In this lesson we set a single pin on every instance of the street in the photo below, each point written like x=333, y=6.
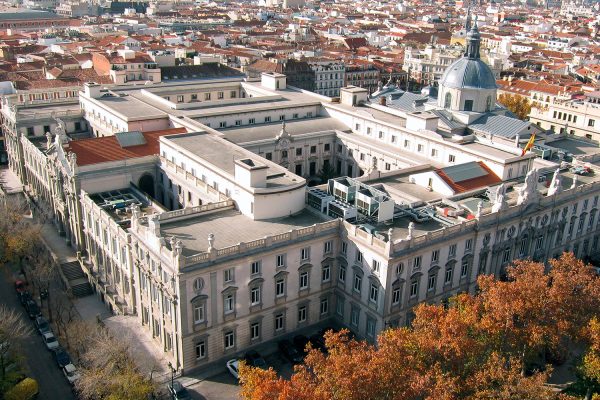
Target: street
x=38, y=360
x=225, y=387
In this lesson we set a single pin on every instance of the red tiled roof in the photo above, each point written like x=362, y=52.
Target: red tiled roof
x=470, y=184
x=107, y=148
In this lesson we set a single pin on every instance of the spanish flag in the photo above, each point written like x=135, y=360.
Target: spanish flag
x=529, y=145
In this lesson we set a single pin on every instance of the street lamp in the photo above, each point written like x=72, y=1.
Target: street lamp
x=172, y=377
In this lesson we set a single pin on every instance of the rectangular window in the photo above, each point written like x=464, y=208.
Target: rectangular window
x=327, y=247
x=357, y=283
x=339, y=306
x=298, y=151
x=222, y=124
x=452, y=250
x=448, y=275
x=305, y=254
x=342, y=273
x=324, y=309
x=267, y=119
x=344, y=248
x=255, y=268
x=280, y=287
x=238, y=122
x=199, y=314
x=354, y=316
x=229, y=340
x=228, y=275
x=396, y=296
x=251, y=121
x=303, y=280
x=359, y=256
x=417, y=262
x=370, y=327
x=255, y=295
x=229, y=303
x=326, y=273
x=279, y=322
x=451, y=158
x=313, y=149
x=420, y=148
x=431, y=282
x=302, y=314
x=435, y=256
x=376, y=266
x=506, y=255
x=539, y=243
x=220, y=95
x=254, y=331
x=414, y=289
x=269, y=156
x=280, y=261
x=206, y=96
x=464, y=269
x=469, y=245
x=282, y=117
x=200, y=350
x=374, y=292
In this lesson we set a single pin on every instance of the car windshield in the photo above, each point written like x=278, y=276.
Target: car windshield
x=71, y=373
x=259, y=362
x=43, y=325
x=51, y=339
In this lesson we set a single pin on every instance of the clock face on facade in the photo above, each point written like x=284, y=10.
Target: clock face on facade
x=284, y=143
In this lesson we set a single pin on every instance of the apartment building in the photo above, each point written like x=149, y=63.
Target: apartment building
x=577, y=116
x=428, y=65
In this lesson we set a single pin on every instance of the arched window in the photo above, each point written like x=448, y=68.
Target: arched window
x=447, y=100
x=488, y=104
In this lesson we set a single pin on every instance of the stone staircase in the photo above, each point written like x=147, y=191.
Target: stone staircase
x=78, y=282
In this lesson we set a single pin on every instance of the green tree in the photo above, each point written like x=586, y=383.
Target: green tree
x=519, y=105
x=326, y=173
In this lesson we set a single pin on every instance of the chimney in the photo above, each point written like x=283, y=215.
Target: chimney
x=383, y=100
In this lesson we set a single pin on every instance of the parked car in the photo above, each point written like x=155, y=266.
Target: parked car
x=70, y=372
x=24, y=297
x=178, y=391
x=289, y=351
x=255, y=360
x=32, y=309
x=581, y=170
x=50, y=340
x=61, y=357
x=300, y=341
x=233, y=367
x=318, y=342
x=20, y=286
x=27, y=389
x=42, y=325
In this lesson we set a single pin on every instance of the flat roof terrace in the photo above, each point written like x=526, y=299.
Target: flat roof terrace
x=230, y=227
x=222, y=154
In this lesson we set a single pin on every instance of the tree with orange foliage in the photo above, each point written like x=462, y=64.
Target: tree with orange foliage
x=475, y=349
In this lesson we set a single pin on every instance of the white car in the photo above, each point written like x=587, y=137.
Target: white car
x=50, y=340
x=71, y=373
x=233, y=367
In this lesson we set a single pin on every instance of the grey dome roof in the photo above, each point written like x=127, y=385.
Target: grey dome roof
x=468, y=73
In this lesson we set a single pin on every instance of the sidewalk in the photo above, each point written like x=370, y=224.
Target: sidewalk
x=147, y=354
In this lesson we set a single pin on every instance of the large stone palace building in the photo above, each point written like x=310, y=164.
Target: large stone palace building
x=224, y=213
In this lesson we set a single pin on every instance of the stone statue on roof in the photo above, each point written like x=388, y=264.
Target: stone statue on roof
x=528, y=191
x=555, y=184
x=500, y=203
